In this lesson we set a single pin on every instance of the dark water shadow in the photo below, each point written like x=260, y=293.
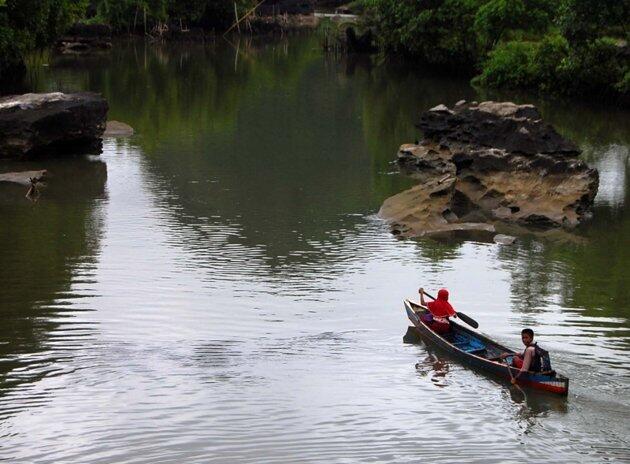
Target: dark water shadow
x=48, y=246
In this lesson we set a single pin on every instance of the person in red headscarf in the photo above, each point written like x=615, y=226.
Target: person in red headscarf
x=440, y=310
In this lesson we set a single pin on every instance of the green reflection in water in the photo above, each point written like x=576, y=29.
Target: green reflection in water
x=294, y=148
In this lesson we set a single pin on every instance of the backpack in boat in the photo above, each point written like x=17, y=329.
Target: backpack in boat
x=541, y=361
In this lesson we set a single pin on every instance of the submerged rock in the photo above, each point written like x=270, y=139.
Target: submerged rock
x=502, y=239
x=504, y=163
x=24, y=177
x=51, y=123
x=33, y=179
x=118, y=129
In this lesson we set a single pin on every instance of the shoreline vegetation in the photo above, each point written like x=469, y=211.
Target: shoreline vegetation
x=29, y=25
x=570, y=48
x=567, y=47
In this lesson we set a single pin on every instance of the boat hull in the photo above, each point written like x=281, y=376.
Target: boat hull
x=555, y=384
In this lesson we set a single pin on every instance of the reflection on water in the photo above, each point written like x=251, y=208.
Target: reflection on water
x=48, y=258
x=223, y=291
x=435, y=368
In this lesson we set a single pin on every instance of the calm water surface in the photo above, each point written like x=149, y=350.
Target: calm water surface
x=218, y=288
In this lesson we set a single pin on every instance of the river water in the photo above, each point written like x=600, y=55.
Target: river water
x=218, y=288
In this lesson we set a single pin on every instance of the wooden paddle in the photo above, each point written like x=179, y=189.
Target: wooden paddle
x=467, y=319
x=513, y=380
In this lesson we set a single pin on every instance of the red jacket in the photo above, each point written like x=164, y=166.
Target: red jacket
x=441, y=307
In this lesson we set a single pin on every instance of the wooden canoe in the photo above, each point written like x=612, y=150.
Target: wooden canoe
x=478, y=351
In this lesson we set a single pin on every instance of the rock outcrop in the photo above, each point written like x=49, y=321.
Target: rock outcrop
x=51, y=123
x=493, y=162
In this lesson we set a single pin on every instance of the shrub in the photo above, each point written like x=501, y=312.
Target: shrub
x=26, y=24
x=595, y=66
x=510, y=65
x=623, y=86
x=436, y=32
x=548, y=56
x=496, y=18
x=127, y=15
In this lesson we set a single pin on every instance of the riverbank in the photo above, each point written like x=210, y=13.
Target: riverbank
x=573, y=48
x=80, y=27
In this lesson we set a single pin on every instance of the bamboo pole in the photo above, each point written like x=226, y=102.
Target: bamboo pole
x=243, y=17
x=236, y=16
x=135, y=19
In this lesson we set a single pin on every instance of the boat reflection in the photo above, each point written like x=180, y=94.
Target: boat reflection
x=435, y=368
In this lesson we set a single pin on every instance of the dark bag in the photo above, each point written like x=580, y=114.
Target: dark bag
x=542, y=361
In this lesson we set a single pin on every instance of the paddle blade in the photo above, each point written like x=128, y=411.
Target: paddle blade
x=468, y=320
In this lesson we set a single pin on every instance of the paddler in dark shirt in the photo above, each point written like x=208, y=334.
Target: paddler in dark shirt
x=526, y=360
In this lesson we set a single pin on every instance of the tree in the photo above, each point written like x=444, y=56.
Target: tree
x=497, y=17
x=436, y=31
x=127, y=15
x=28, y=24
x=582, y=21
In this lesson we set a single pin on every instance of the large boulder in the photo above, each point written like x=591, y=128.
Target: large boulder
x=505, y=163
x=504, y=125
x=51, y=123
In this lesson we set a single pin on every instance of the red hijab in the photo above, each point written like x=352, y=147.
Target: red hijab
x=441, y=307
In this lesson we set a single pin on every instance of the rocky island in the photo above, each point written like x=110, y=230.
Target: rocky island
x=484, y=163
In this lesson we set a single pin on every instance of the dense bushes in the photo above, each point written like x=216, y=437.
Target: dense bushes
x=552, y=65
x=437, y=32
x=562, y=46
x=527, y=64
x=495, y=19
x=29, y=24
x=510, y=64
x=130, y=15
x=26, y=24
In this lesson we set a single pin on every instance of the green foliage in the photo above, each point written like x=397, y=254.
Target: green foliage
x=27, y=24
x=582, y=21
x=357, y=6
x=552, y=65
x=519, y=64
x=129, y=15
x=593, y=67
x=497, y=17
x=438, y=32
x=548, y=45
x=510, y=64
x=549, y=54
x=623, y=86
